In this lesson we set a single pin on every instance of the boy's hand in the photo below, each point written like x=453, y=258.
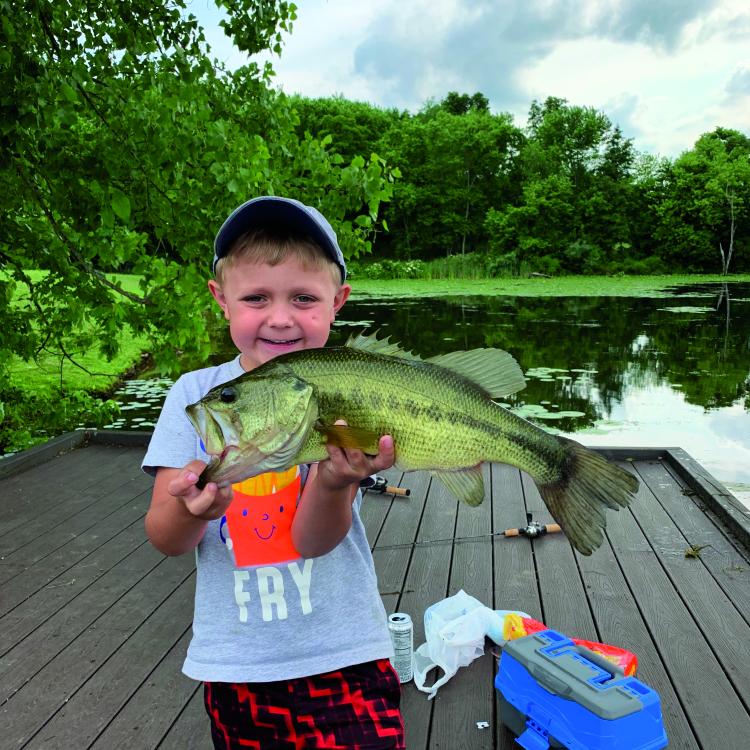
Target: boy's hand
x=347, y=466
x=207, y=504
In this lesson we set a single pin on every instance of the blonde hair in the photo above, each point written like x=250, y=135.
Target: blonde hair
x=274, y=247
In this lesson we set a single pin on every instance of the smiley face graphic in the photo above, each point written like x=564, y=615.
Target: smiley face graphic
x=257, y=524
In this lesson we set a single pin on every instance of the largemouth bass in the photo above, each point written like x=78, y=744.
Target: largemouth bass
x=440, y=412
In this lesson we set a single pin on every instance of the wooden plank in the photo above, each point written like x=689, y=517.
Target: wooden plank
x=691, y=665
x=727, y=632
x=32, y=613
x=90, y=709
x=26, y=677
x=727, y=507
x=51, y=504
x=720, y=553
x=469, y=696
x=376, y=506
x=516, y=585
x=620, y=623
x=515, y=582
x=564, y=604
x=30, y=493
x=39, y=540
x=150, y=711
x=40, y=454
x=191, y=730
x=426, y=583
x=122, y=438
x=395, y=543
x=35, y=574
x=639, y=592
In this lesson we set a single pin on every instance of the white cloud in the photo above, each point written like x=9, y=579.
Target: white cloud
x=675, y=96
x=665, y=71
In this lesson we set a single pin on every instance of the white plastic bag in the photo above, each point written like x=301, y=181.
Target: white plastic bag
x=454, y=631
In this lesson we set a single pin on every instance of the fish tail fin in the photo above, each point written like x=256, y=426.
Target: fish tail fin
x=589, y=484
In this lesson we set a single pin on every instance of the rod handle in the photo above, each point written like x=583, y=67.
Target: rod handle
x=403, y=491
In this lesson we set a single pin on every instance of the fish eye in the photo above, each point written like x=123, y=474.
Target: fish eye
x=228, y=395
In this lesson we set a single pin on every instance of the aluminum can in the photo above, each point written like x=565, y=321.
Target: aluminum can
x=402, y=637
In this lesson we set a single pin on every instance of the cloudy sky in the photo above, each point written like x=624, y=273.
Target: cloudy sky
x=665, y=71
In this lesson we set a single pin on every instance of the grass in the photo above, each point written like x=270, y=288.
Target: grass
x=49, y=373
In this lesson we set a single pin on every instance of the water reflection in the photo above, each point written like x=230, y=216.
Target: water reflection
x=615, y=370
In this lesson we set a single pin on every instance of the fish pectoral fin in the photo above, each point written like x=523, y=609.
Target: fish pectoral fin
x=494, y=370
x=346, y=436
x=467, y=485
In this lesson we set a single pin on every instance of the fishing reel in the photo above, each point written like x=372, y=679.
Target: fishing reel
x=533, y=529
x=380, y=484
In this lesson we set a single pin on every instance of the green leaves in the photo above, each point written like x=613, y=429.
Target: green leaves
x=122, y=149
x=120, y=205
x=705, y=206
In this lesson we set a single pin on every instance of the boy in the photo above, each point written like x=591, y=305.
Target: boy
x=289, y=633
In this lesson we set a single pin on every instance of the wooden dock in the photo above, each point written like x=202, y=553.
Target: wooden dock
x=94, y=622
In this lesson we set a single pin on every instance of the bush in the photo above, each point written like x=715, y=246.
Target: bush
x=22, y=413
x=653, y=265
x=582, y=257
x=387, y=269
x=471, y=266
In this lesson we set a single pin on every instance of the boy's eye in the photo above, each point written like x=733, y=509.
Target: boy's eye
x=305, y=298
x=253, y=298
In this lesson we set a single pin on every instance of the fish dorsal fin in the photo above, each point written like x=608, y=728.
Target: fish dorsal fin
x=467, y=485
x=372, y=344
x=494, y=370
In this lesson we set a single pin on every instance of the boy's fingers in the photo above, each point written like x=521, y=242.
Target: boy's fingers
x=211, y=502
x=186, y=478
x=386, y=454
x=199, y=505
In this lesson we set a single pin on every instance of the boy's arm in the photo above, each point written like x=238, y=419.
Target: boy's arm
x=324, y=515
x=179, y=512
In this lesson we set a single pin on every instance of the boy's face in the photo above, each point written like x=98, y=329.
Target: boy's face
x=277, y=309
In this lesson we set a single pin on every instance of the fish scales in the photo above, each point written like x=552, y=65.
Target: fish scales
x=440, y=413
x=419, y=412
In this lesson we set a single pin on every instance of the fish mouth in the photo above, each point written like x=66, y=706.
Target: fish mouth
x=218, y=436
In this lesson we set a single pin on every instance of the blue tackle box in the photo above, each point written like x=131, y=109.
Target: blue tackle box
x=554, y=693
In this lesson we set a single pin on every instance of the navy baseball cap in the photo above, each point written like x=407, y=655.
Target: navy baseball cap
x=269, y=210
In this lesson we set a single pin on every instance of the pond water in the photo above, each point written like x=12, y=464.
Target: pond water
x=616, y=371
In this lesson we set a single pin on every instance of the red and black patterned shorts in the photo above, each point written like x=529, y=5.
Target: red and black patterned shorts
x=355, y=708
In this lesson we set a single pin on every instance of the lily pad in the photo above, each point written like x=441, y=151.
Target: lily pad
x=687, y=309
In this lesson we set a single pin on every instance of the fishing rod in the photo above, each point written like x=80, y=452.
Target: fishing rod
x=380, y=484
x=532, y=530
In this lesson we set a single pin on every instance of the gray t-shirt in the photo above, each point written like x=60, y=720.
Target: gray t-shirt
x=259, y=616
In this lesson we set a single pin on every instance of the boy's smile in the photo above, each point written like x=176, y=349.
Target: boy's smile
x=277, y=309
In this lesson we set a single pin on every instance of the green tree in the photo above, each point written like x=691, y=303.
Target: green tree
x=461, y=104
x=123, y=147
x=354, y=128
x=705, y=215
x=453, y=168
x=574, y=210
